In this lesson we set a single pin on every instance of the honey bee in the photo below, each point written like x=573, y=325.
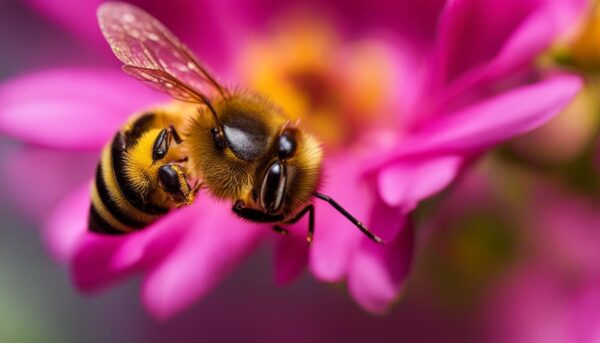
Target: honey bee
x=240, y=145
x=139, y=178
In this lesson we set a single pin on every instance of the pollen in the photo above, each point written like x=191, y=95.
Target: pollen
x=584, y=50
x=334, y=86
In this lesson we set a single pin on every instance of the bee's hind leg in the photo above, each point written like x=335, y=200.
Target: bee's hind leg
x=310, y=209
x=280, y=230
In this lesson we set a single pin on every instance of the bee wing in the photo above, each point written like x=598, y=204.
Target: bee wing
x=164, y=82
x=153, y=54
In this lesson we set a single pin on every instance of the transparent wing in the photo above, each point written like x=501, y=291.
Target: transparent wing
x=152, y=53
x=166, y=83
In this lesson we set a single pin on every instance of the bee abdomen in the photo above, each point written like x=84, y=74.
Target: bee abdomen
x=107, y=215
x=98, y=224
x=116, y=206
x=127, y=190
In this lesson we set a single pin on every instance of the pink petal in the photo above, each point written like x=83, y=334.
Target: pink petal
x=184, y=262
x=197, y=23
x=73, y=109
x=584, y=324
x=214, y=244
x=410, y=181
x=91, y=270
x=528, y=305
x=68, y=223
x=378, y=272
x=568, y=225
x=335, y=237
x=388, y=221
x=185, y=254
x=486, y=123
x=529, y=39
x=291, y=253
x=473, y=33
x=22, y=179
x=78, y=17
x=545, y=25
x=413, y=22
x=98, y=261
x=500, y=118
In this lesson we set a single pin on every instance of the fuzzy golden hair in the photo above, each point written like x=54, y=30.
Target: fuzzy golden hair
x=226, y=175
x=230, y=177
x=138, y=168
x=304, y=172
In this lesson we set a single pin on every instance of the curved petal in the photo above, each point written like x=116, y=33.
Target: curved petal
x=98, y=261
x=412, y=22
x=568, y=227
x=195, y=22
x=214, y=244
x=584, y=321
x=544, y=25
x=184, y=254
x=473, y=34
x=78, y=17
x=486, y=123
x=68, y=223
x=335, y=237
x=35, y=193
x=291, y=253
x=500, y=118
x=408, y=182
x=72, y=109
x=378, y=272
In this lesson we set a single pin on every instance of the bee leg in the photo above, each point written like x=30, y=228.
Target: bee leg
x=255, y=215
x=192, y=195
x=161, y=145
x=175, y=135
x=174, y=182
x=280, y=230
x=350, y=217
x=311, y=221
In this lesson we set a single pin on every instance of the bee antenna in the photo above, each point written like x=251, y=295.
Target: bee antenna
x=350, y=217
x=212, y=110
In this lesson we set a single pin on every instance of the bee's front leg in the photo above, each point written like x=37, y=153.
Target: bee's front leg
x=174, y=134
x=173, y=181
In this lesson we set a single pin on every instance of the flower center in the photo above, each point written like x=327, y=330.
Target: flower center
x=337, y=89
x=581, y=49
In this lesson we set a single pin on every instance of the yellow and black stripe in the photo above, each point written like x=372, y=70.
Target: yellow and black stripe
x=117, y=207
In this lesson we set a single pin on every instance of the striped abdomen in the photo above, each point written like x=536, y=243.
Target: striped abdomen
x=117, y=207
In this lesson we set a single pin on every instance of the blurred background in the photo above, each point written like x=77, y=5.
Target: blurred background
x=510, y=254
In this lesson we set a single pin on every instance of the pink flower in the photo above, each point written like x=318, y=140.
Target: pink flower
x=552, y=294
x=521, y=254
x=458, y=79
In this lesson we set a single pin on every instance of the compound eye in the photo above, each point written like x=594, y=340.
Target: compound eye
x=286, y=144
x=272, y=188
x=161, y=145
